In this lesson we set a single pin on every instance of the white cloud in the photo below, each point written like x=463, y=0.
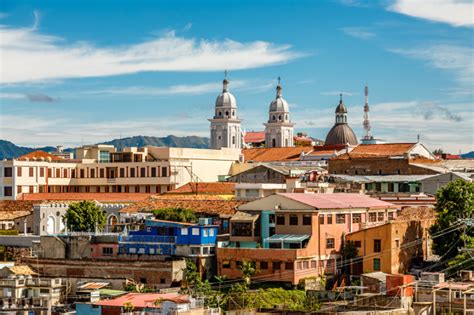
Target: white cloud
x=28, y=55
x=459, y=60
x=453, y=12
x=11, y=96
x=358, y=32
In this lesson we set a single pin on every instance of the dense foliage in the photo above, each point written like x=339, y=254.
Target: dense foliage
x=451, y=231
x=175, y=214
x=84, y=216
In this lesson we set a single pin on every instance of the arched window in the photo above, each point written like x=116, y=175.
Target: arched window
x=227, y=114
x=286, y=117
x=273, y=118
x=273, y=143
x=233, y=113
x=51, y=225
x=279, y=117
x=220, y=113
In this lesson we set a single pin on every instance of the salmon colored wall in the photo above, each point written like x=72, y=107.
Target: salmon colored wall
x=96, y=250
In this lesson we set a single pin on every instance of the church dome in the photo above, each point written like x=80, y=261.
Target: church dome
x=341, y=108
x=341, y=134
x=226, y=99
x=279, y=104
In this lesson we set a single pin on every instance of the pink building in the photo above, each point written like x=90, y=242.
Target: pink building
x=292, y=236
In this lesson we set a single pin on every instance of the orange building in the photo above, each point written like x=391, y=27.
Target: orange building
x=392, y=247
x=292, y=236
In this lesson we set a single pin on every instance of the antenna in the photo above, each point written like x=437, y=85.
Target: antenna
x=366, y=122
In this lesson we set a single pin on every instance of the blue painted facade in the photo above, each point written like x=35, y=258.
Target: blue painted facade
x=163, y=237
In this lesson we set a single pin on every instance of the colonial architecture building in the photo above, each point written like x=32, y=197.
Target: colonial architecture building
x=225, y=125
x=341, y=133
x=279, y=128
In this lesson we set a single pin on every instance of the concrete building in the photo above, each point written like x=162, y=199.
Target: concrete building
x=392, y=248
x=225, y=125
x=279, y=128
x=431, y=184
x=100, y=168
x=292, y=236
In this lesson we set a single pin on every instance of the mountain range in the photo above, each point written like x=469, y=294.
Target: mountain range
x=9, y=150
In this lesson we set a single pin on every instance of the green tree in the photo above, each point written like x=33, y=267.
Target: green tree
x=84, y=216
x=175, y=214
x=128, y=307
x=348, y=252
x=454, y=204
x=248, y=270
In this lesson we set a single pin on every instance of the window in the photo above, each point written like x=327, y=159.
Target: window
x=293, y=219
x=372, y=217
x=340, y=218
x=132, y=250
x=263, y=265
x=31, y=189
x=122, y=172
x=64, y=173
x=18, y=189
x=7, y=191
x=289, y=266
x=164, y=172
x=132, y=172
x=280, y=219
x=82, y=173
x=329, y=218
x=356, y=218
x=143, y=280
x=226, y=264
x=153, y=172
x=358, y=244
x=390, y=216
x=58, y=173
x=377, y=246
x=104, y=157
x=306, y=219
x=241, y=229
x=211, y=232
x=8, y=172
x=184, y=231
x=380, y=216
x=321, y=219
x=276, y=265
x=18, y=172
x=92, y=173
x=397, y=243
x=73, y=173
x=376, y=264
x=205, y=232
x=107, y=251
x=142, y=172
x=41, y=171
x=330, y=243
x=31, y=172
x=195, y=231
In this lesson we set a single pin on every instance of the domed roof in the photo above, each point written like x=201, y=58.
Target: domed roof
x=341, y=134
x=279, y=104
x=226, y=99
x=341, y=108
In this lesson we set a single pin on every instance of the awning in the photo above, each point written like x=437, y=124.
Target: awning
x=286, y=238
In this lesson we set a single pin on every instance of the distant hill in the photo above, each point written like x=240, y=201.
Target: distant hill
x=9, y=150
x=169, y=141
x=469, y=155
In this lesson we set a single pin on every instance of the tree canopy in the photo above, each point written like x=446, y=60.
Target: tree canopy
x=84, y=216
x=454, y=206
x=175, y=214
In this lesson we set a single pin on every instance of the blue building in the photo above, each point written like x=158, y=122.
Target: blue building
x=171, y=238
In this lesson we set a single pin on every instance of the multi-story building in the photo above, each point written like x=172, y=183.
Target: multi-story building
x=100, y=168
x=292, y=236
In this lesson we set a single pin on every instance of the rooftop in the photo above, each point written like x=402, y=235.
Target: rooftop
x=13, y=209
x=101, y=197
x=38, y=154
x=213, y=188
x=22, y=270
x=254, y=137
x=274, y=154
x=142, y=300
x=337, y=200
x=378, y=150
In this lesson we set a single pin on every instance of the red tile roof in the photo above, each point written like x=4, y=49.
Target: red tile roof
x=142, y=300
x=13, y=209
x=254, y=137
x=338, y=200
x=274, y=154
x=205, y=204
x=327, y=149
x=38, y=154
x=101, y=197
x=216, y=188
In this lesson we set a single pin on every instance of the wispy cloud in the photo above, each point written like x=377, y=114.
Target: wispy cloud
x=28, y=55
x=453, y=12
x=11, y=96
x=457, y=59
x=359, y=32
x=32, y=97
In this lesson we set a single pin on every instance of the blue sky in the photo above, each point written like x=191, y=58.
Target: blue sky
x=77, y=72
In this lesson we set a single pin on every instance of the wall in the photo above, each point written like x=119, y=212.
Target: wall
x=373, y=166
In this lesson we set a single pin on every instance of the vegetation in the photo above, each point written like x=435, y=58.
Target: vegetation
x=84, y=216
x=348, y=252
x=240, y=296
x=175, y=214
x=128, y=307
x=454, y=205
x=8, y=232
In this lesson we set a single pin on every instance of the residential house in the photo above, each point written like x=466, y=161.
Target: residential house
x=291, y=236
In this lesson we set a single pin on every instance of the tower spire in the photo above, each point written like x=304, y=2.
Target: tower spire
x=366, y=123
x=225, y=83
x=279, y=88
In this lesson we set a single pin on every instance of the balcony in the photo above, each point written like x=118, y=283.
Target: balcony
x=147, y=239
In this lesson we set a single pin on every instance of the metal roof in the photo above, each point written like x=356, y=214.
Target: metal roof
x=288, y=238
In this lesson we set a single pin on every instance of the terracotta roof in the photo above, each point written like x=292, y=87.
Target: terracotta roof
x=274, y=154
x=216, y=188
x=337, y=200
x=378, y=150
x=13, y=209
x=38, y=155
x=101, y=197
x=254, y=137
x=205, y=204
x=142, y=300
x=302, y=139
x=327, y=149
x=22, y=270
